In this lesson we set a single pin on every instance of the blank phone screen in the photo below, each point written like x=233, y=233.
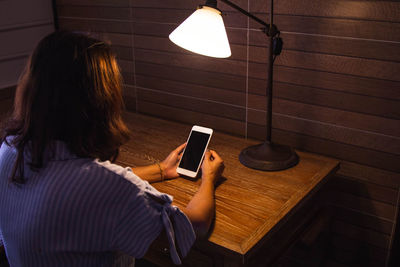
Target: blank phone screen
x=194, y=151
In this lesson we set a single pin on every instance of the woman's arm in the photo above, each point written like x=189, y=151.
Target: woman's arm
x=151, y=173
x=201, y=208
x=163, y=170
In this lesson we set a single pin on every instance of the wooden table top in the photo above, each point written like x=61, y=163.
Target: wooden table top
x=249, y=203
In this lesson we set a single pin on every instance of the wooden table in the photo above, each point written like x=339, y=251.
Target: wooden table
x=257, y=213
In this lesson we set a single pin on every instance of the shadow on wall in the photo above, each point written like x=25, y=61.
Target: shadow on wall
x=357, y=239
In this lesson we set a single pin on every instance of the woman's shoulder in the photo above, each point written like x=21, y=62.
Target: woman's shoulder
x=124, y=175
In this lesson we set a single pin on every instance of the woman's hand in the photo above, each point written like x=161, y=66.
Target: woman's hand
x=212, y=167
x=170, y=163
x=201, y=208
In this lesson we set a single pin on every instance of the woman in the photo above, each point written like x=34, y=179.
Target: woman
x=62, y=202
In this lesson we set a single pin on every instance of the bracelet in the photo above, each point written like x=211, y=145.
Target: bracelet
x=161, y=171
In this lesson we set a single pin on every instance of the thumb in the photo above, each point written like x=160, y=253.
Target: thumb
x=207, y=155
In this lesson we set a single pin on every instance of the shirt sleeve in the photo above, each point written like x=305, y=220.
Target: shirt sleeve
x=146, y=213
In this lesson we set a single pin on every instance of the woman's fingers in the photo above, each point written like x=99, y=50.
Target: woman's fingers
x=180, y=148
x=215, y=156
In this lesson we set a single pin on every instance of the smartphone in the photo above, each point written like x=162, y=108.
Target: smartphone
x=195, y=149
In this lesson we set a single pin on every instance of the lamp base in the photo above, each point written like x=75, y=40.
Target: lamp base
x=268, y=157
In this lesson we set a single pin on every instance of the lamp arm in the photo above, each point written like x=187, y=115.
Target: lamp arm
x=241, y=10
x=270, y=29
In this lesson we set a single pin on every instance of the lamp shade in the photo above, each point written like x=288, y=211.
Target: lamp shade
x=203, y=33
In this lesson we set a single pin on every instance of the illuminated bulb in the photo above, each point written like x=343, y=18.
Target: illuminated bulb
x=203, y=33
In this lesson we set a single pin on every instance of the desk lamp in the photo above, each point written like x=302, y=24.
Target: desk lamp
x=204, y=33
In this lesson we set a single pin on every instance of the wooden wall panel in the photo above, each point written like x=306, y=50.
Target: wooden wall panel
x=193, y=76
x=199, y=91
x=112, y=3
x=116, y=13
x=191, y=117
x=330, y=81
x=363, y=10
x=367, y=221
x=361, y=48
x=23, y=13
x=193, y=104
x=330, y=131
x=22, y=25
x=336, y=92
x=103, y=26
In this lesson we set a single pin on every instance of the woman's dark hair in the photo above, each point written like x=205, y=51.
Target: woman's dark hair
x=70, y=91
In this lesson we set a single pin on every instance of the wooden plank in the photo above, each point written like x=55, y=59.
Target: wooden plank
x=363, y=189
x=336, y=99
x=329, y=131
x=292, y=58
x=187, y=4
x=374, y=30
x=116, y=39
x=292, y=41
x=97, y=12
x=7, y=93
x=190, y=117
x=32, y=11
x=192, y=90
x=363, y=220
x=192, y=76
x=312, y=25
x=10, y=71
x=339, y=82
x=129, y=78
x=385, y=70
x=361, y=234
x=77, y=24
x=123, y=52
x=381, y=10
x=370, y=174
x=363, y=205
x=130, y=103
x=341, y=118
x=127, y=66
x=5, y=109
x=147, y=28
x=193, y=104
x=317, y=79
x=129, y=90
x=363, y=10
x=152, y=29
x=334, y=81
x=334, y=45
x=15, y=41
x=177, y=16
x=115, y=3
x=164, y=44
x=225, y=66
x=326, y=147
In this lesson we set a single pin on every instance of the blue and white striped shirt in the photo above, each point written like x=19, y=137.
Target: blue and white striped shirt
x=79, y=211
